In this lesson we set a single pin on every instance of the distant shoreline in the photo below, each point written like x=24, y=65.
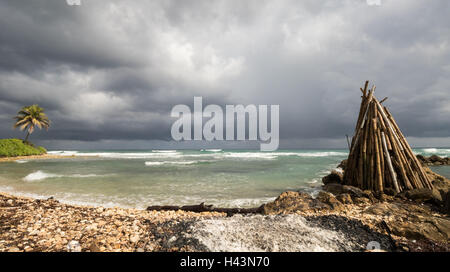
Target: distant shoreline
x=34, y=157
x=41, y=157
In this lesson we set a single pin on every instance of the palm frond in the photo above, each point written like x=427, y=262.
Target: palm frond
x=30, y=117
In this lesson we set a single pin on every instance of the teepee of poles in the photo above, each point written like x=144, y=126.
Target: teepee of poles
x=380, y=157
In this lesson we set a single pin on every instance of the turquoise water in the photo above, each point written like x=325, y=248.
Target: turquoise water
x=174, y=177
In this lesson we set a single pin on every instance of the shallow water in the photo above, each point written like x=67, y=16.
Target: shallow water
x=132, y=178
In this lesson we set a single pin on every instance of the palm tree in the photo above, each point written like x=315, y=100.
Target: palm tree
x=29, y=117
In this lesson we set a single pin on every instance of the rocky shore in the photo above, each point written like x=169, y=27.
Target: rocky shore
x=340, y=218
x=434, y=160
x=47, y=225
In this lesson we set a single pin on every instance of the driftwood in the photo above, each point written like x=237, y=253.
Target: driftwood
x=380, y=157
x=208, y=208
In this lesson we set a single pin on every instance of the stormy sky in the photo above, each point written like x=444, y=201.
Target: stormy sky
x=109, y=72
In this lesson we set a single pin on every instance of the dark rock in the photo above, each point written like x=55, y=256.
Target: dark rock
x=390, y=191
x=369, y=195
x=345, y=198
x=334, y=177
x=447, y=203
x=361, y=200
x=330, y=199
x=343, y=164
x=435, y=158
x=422, y=159
x=425, y=195
x=383, y=197
x=293, y=201
x=352, y=190
x=334, y=188
x=338, y=189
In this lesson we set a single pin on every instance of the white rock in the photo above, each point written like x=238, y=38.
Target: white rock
x=134, y=238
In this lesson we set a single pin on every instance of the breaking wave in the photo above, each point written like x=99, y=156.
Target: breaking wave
x=434, y=151
x=274, y=155
x=212, y=153
x=41, y=175
x=157, y=163
x=21, y=161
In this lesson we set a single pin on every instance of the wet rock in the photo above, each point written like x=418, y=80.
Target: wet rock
x=334, y=177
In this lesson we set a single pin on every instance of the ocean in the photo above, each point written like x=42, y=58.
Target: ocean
x=139, y=178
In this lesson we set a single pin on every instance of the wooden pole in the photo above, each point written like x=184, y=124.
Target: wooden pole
x=389, y=163
x=378, y=176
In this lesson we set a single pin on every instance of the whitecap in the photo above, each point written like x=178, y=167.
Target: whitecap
x=62, y=153
x=156, y=163
x=136, y=155
x=41, y=175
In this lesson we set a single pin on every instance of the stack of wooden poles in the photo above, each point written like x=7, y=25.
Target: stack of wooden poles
x=380, y=157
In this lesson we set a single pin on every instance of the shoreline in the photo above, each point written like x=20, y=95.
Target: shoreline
x=42, y=157
x=34, y=157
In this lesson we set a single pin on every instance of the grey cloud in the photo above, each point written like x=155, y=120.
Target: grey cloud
x=112, y=71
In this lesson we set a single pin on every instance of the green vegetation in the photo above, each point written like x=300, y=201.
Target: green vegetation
x=30, y=117
x=16, y=147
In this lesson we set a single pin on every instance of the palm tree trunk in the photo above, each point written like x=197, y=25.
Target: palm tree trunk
x=26, y=138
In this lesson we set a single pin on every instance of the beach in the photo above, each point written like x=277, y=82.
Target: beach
x=47, y=225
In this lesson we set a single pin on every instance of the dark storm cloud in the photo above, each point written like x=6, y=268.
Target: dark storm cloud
x=112, y=70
